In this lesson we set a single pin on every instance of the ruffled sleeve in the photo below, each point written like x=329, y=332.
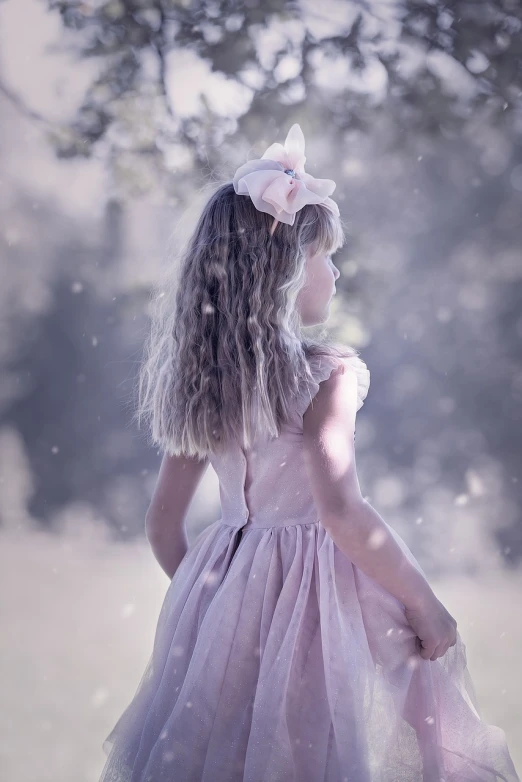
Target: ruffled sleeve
x=323, y=366
x=363, y=378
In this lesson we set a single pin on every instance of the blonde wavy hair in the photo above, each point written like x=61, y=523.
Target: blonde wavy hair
x=225, y=357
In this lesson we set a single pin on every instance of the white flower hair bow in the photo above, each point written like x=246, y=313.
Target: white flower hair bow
x=277, y=182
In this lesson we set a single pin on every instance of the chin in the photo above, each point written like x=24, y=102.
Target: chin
x=323, y=319
x=319, y=318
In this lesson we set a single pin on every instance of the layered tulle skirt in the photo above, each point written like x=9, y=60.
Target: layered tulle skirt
x=277, y=660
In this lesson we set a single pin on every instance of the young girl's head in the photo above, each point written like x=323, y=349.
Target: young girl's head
x=226, y=355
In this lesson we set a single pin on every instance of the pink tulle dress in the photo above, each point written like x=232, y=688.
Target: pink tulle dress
x=277, y=660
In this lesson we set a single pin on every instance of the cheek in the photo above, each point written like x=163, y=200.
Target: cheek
x=319, y=279
x=326, y=279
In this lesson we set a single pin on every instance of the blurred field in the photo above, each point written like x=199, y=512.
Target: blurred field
x=81, y=614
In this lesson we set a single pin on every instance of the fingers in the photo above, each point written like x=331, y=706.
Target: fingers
x=430, y=650
x=440, y=650
x=433, y=647
x=443, y=647
x=426, y=649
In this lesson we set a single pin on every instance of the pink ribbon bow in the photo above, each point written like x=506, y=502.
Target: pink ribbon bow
x=277, y=182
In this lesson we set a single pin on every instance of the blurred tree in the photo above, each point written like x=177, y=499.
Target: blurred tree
x=417, y=110
x=425, y=65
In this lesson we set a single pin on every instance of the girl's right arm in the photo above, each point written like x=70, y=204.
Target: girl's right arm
x=355, y=527
x=353, y=524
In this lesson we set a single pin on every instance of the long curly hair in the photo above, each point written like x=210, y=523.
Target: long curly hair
x=226, y=356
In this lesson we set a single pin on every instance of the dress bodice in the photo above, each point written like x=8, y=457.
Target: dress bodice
x=266, y=486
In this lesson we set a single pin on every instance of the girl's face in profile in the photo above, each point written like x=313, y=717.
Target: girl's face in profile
x=314, y=298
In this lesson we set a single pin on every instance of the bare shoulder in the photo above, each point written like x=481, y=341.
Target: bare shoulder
x=328, y=445
x=335, y=403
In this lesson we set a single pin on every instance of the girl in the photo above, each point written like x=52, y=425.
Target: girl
x=299, y=640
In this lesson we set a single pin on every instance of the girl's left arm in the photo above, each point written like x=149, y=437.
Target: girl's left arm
x=178, y=480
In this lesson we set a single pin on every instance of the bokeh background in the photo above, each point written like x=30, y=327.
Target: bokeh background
x=117, y=119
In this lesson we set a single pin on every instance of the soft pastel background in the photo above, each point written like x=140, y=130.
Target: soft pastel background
x=116, y=119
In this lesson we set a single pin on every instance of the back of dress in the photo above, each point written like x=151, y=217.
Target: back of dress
x=267, y=485
x=278, y=660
